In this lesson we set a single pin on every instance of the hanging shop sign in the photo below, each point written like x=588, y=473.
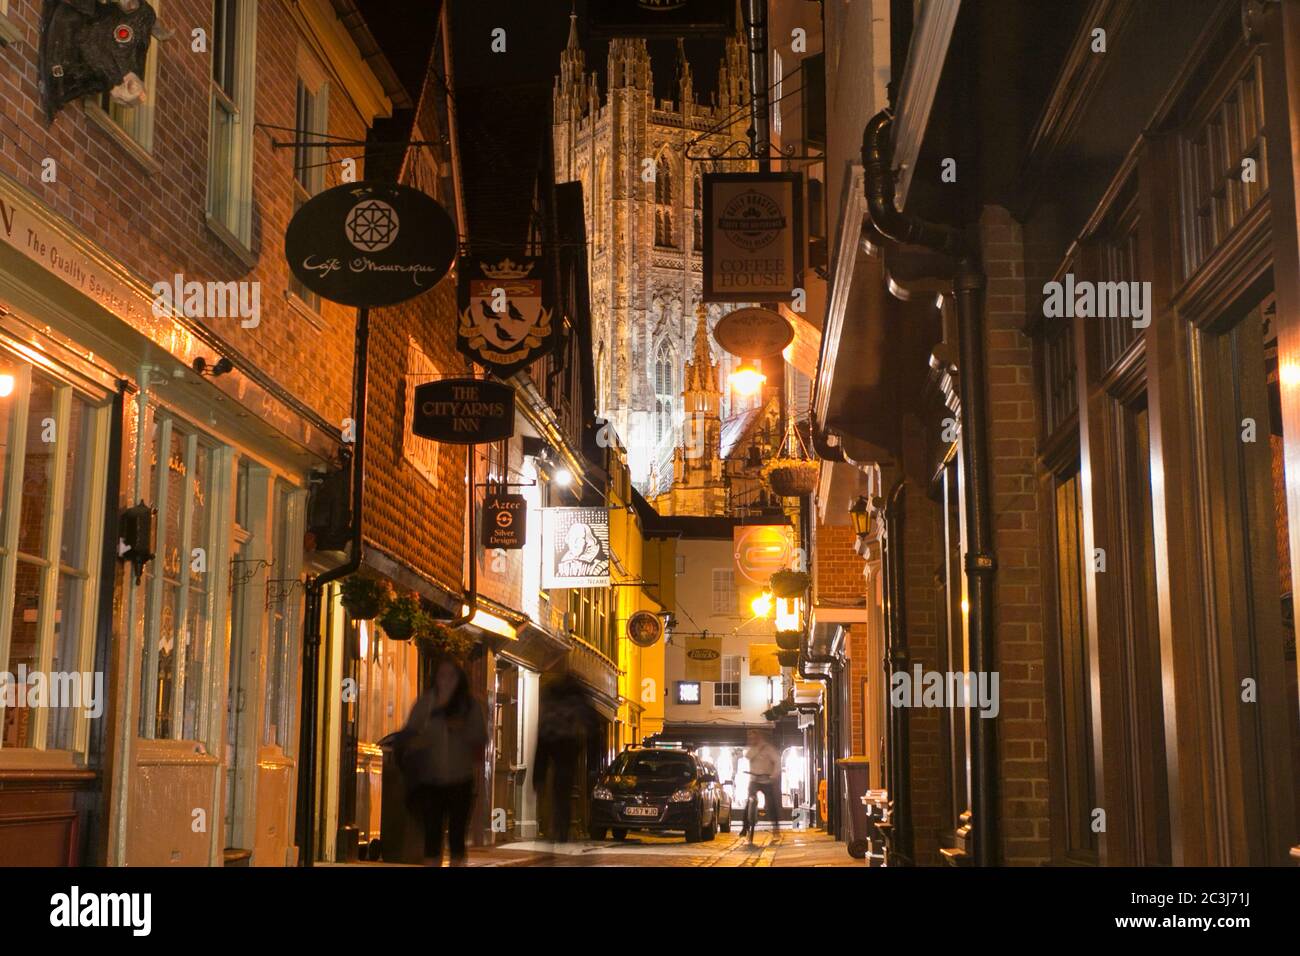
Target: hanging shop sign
x=644, y=18
x=505, y=521
x=644, y=629
x=464, y=411
x=753, y=333
x=753, y=240
x=763, y=660
x=506, y=311
x=760, y=550
x=575, y=548
x=703, y=657
x=370, y=244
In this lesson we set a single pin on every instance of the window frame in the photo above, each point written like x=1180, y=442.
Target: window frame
x=230, y=215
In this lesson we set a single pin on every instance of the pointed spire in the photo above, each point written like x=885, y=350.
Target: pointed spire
x=573, y=27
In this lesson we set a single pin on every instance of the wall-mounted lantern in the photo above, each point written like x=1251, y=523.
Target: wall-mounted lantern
x=135, y=533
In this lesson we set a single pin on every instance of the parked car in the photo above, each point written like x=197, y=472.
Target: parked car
x=657, y=788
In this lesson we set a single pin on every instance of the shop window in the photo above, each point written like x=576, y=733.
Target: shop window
x=1074, y=729
x=284, y=602
x=726, y=692
x=1221, y=144
x=1117, y=261
x=230, y=137
x=178, y=583
x=1060, y=398
x=310, y=125
x=52, y=449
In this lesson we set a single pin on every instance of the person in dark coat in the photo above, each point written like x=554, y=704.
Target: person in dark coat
x=566, y=721
x=442, y=748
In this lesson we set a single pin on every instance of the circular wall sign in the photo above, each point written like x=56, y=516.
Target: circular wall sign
x=370, y=244
x=753, y=333
x=644, y=629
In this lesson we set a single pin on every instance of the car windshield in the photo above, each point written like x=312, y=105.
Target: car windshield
x=644, y=764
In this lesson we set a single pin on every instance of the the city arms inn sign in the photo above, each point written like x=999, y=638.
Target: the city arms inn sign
x=464, y=411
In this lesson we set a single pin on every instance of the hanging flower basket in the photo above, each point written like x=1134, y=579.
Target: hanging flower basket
x=789, y=640
x=442, y=641
x=778, y=711
x=788, y=658
x=402, y=617
x=791, y=477
x=789, y=584
x=364, y=598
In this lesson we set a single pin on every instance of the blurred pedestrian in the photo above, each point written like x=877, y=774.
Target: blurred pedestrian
x=441, y=753
x=765, y=778
x=566, y=720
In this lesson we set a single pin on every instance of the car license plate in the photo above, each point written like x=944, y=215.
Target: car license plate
x=640, y=812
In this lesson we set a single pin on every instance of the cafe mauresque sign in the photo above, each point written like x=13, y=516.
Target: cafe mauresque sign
x=753, y=333
x=753, y=237
x=463, y=411
x=370, y=244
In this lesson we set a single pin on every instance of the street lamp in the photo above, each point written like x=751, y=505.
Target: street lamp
x=860, y=514
x=789, y=614
x=747, y=380
x=6, y=385
x=762, y=604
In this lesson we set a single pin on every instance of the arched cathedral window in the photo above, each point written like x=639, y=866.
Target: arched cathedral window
x=664, y=391
x=664, y=234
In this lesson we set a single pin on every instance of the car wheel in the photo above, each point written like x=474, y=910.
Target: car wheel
x=710, y=830
x=724, y=823
x=695, y=832
x=618, y=833
x=596, y=833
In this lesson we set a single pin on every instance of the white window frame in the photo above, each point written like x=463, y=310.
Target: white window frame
x=420, y=453
x=724, y=599
x=730, y=665
x=9, y=31
x=135, y=123
x=14, y=461
x=231, y=215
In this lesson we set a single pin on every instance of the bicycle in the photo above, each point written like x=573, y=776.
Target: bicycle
x=757, y=781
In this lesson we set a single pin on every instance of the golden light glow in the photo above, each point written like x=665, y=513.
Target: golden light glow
x=965, y=606
x=747, y=380
x=789, y=614
x=363, y=639
x=762, y=605
x=1290, y=374
x=487, y=621
x=6, y=386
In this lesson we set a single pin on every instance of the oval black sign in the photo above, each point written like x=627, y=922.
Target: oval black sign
x=370, y=244
x=464, y=411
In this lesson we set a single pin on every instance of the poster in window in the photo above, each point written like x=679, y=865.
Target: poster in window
x=575, y=548
x=753, y=236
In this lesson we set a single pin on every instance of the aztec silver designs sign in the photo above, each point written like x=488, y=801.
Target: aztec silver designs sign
x=753, y=242
x=575, y=548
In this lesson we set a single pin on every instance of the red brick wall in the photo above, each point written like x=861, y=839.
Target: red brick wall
x=922, y=557
x=1018, y=604
x=838, y=579
x=151, y=218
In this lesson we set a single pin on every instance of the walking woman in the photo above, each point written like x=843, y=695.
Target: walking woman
x=442, y=748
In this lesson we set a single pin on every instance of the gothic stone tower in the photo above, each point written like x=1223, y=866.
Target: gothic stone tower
x=644, y=222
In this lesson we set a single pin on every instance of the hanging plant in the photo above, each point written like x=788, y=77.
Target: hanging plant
x=441, y=640
x=789, y=640
x=778, y=711
x=789, y=584
x=364, y=597
x=788, y=658
x=402, y=617
x=792, y=473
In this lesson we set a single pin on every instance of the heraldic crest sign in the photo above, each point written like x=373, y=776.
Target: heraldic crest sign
x=506, y=311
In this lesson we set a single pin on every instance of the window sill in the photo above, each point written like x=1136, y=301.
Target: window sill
x=40, y=763
x=231, y=241
x=314, y=318
x=9, y=32
x=105, y=122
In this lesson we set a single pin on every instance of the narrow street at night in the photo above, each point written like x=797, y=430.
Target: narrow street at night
x=447, y=440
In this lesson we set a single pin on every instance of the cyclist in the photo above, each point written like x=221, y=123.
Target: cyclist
x=764, y=775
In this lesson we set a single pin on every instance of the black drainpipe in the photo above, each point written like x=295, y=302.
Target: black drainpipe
x=314, y=589
x=968, y=292
x=900, y=788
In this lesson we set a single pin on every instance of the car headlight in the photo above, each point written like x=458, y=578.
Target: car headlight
x=601, y=793
x=683, y=795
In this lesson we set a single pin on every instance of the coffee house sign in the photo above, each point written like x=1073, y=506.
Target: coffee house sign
x=753, y=242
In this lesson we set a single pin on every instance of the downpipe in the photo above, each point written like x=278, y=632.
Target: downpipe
x=968, y=292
